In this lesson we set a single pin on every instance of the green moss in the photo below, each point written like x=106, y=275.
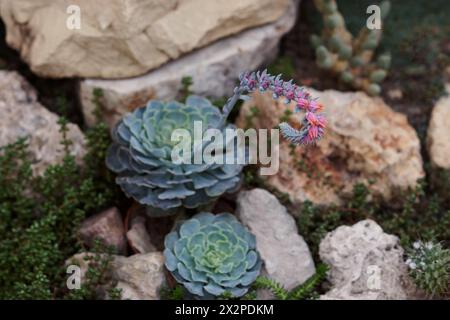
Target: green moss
x=186, y=83
x=177, y=293
x=97, y=96
x=286, y=115
x=419, y=212
x=307, y=290
x=40, y=216
x=424, y=54
x=97, y=275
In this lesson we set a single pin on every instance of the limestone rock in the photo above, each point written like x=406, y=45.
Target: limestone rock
x=439, y=133
x=123, y=38
x=285, y=254
x=108, y=227
x=365, y=264
x=140, y=276
x=365, y=141
x=214, y=70
x=22, y=116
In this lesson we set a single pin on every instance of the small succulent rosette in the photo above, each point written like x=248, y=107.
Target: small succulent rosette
x=212, y=255
x=141, y=155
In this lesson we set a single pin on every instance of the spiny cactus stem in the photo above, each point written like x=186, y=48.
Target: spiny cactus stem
x=338, y=51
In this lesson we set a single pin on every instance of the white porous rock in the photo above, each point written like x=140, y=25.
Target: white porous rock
x=365, y=264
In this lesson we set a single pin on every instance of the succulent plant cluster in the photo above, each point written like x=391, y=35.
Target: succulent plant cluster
x=350, y=58
x=212, y=255
x=141, y=155
x=429, y=265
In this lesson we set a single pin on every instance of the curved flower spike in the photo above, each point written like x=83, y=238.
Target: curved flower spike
x=314, y=122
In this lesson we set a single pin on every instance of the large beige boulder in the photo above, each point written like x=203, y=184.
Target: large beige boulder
x=214, y=70
x=439, y=133
x=22, y=116
x=123, y=38
x=365, y=142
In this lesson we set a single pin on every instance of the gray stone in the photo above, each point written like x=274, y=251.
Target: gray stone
x=108, y=227
x=365, y=264
x=140, y=277
x=22, y=116
x=285, y=254
x=138, y=236
x=214, y=70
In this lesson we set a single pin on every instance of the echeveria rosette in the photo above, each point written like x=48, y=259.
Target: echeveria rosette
x=141, y=156
x=211, y=255
x=314, y=122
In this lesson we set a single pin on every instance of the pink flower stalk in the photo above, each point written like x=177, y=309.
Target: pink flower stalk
x=289, y=92
x=277, y=87
x=314, y=122
x=302, y=103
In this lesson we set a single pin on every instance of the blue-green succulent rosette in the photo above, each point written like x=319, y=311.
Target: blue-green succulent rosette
x=211, y=255
x=141, y=155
